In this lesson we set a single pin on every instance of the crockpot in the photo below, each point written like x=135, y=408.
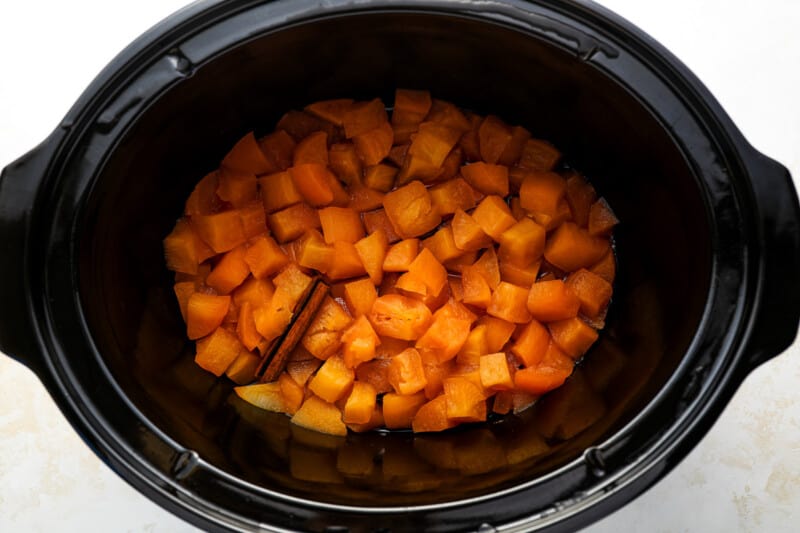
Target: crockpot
x=706, y=289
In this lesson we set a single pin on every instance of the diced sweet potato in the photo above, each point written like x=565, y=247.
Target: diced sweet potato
x=465, y=400
x=601, y=218
x=494, y=372
x=573, y=335
x=380, y=177
x=183, y=291
x=405, y=373
x=606, y=268
x=364, y=199
x=313, y=182
x=265, y=396
x=509, y=302
x=360, y=404
x=184, y=250
x=204, y=199
x=592, y=291
x=468, y=234
x=426, y=268
x=571, y=248
x=362, y=117
x=258, y=292
x=293, y=393
x=229, y=272
x=498, y=332
x=467, y=258
x=489, y=268
x=552, y=300
x=333, y=379
x=522, y=276
x=410, y=210
x=374, y=146
x=377, y=220
x=254, y=219
x=542, y=192
x=359, y=296
x=318, y=415
x=522, y=243
x=376, y=373
x=278, y=148
x=410, y=107
x=445, y=336
x=246, y=327
x=312, y=149
x=331, y=110
x=399, y=409
x=243, y=369
x=539, y=156
x=345, y=163
x=340, y=224
x=246, y=156
x=400, y=317
x=359, y=341
x=476, y=290
x=453, y=195
x=580, y=196
x=433, y=142
x=221, y=231
x=442, y=245
x=432, y=416
x=300, y=125
x=346, y=262
x=372, y=251
x=302, y=370
x=278, y=191
x=493, y=216
x=293, y=221
x=400, y=256
x=487, y=178
x=204, y=314
x=531, y=344
x=494, y=135
x=237, y=187
x=323, y=336
x=216, y=352
x=313, y=253
x=513, y=151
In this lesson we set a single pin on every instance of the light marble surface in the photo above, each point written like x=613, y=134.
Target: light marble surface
x=743, y=476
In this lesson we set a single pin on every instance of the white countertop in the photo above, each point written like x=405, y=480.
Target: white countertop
x=743, y=476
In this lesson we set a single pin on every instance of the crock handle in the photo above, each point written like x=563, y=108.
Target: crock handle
x=19, y=183
x=776, y=317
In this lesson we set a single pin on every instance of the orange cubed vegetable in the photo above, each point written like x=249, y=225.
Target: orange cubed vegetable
x=468, y=234
x=264, y=257
x=372, y=253
x=474, y=347
x=447, y=114
x=476, y=290
x=606, y=268
x=313, y=182
x=592, y=291
x=314, y=253
x=400, y=317
x=399, y=409
x=522, y=276
x=410, y=210
x=509, y=302
x=364, y=199
x=293, y=393
x=522, y=243
x=493, y=216
x=246, y=327
x=292, y=222
x=183, y=291
x=359, y=342
x=340, y=224
x=445, y=336
x=498, y=332
x=221, y=231
x=346, y=262
x=254, y=219
x=410, y=107
x=467, y=258
x=184, y=250
x=243, y=369
x=331, y=110
x=229, y=272
x=204, y=314
x=278, y=148
x=312, y=149
x=453, y=195
x=362, y=117
x=333, y=379
x=494, y=372
x=318, y=415
x=469, y=142
x=433, y=142
x=552, y=300
x=571, y=248
x=542, y=192
x=301, y=370
x=432, y=416
x=236, y=187
x=406, y=373
x=293, y=282
x=258, y=292
x=573, y=335
x=539, y=156
x=278, y=191
x=377, y=220
x=400, y=256
x=267, y=396
x=429, y=270
x=216, y=352
x=300, y=125
x=204, y=199
x=489, y=267
x=380, y=177
x=465, y=400
x=376, y=373
x=359, y=296
x=246, y=156
x=494, y=135
x=580, y=197
x=360, y=404
x=442, y=245
x=487, y=178
x=601, y=218
x=531, y=345
x=540, y=379
x=323, y=336
x=514, y=148
x=374, y=146
x=345, y=163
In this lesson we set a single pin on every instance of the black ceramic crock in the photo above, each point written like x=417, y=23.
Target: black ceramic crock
x=707, y=289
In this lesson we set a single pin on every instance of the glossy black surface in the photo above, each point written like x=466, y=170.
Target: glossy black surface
x=707, y=251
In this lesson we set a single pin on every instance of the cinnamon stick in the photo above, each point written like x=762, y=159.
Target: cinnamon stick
x=279, y=351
